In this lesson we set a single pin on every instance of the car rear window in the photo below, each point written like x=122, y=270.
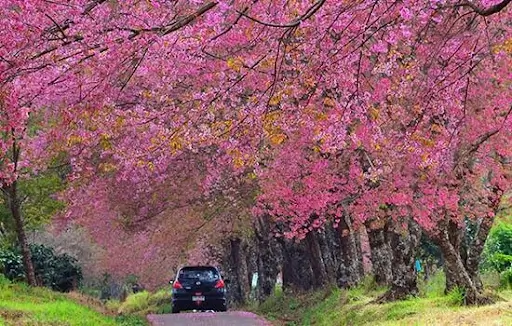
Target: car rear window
x=199, y=273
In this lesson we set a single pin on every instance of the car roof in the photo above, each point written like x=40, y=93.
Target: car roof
x=198, y=267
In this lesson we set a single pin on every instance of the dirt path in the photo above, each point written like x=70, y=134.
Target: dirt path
x=235, y=318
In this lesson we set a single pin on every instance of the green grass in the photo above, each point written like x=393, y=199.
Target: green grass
x=285, y=308
x=144, y=303
x=23, y=305
x=355, y=307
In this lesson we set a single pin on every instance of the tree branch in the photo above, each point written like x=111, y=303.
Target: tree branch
x=181, y=22
x=472, y=148
x=485, y=12
x=310, y=12
x=91, y=6
x=59, y=28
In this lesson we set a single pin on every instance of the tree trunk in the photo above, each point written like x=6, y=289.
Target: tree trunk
x=350, y=271
x=237, y=270
x=251, y=261
x=359, y=254
x=297, y=272
x=333, y=242
x=381, y=255
x=268, y=258
x=15, y=208
x=310, y=263
x=458, y=272
x=316, y=260
x=404, y=243
x=328, y=247
x=475, y=251
x=454, y=235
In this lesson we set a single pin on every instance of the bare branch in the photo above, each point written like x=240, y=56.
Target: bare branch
x=182, y=22
x=482, y=139
x=134, y=69
x=466, y=153
x=310, y=12
x=485, y=12
x=230, y=26
x=92, y=5
x=59, y=28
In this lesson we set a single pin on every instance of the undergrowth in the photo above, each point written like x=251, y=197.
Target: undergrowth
x=21, y=305
x=144, y=303
x=356, y=307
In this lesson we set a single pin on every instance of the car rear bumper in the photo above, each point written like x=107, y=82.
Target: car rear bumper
x=210, y=303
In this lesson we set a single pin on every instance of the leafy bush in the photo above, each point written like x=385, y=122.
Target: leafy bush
x=497, y=254
x=58, y=272
x=11, y=265
x=455, y=297
x=506, y=278
x=490, y=280
x=144, y=302
x=135, y=302
x=113, y=305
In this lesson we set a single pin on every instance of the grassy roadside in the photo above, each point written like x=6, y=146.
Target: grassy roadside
x=354, y=307
x=22, y=305
x=143, y=303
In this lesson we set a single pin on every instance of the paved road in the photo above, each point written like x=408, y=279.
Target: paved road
x=231, y=318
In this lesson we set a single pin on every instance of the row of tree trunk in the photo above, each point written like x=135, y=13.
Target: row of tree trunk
x=335, y=256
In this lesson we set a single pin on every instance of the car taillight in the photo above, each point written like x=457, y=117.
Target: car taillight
x=220, y=284
x=177, y=285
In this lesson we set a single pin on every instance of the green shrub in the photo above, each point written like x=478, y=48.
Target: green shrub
x=113, y=305
x=90, y=291
x=434, y=286
x=144, y=302
x=506, y=279
x=455, y=297
x=276, y=302
x=159, y=298
x=58, y=272
x=366, y=288
x=497, y=254
x=135, y=302
x=4, y=280
x=355, y=294
x=490, y=280
x=500, y=261
x=11, y=265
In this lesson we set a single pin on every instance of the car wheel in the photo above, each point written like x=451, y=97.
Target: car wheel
x=222, y=309
x=175, y=310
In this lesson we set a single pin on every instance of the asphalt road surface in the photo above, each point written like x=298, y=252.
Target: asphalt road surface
x=231, y=318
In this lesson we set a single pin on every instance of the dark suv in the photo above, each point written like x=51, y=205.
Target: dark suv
x=198, y=288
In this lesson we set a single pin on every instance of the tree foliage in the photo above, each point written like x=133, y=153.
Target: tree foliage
x=498, y=249
x=40, y=202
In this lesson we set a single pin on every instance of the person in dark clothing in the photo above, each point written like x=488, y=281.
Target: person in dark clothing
x=136, y=288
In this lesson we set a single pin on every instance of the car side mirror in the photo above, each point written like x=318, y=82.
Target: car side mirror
x=171, y=282
x=227, y=281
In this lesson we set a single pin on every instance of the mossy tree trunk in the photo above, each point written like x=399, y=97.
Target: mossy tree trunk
x=404, y=242
x=381, y=254
x=461, y=266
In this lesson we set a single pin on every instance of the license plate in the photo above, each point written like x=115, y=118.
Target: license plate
x=198, y=298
